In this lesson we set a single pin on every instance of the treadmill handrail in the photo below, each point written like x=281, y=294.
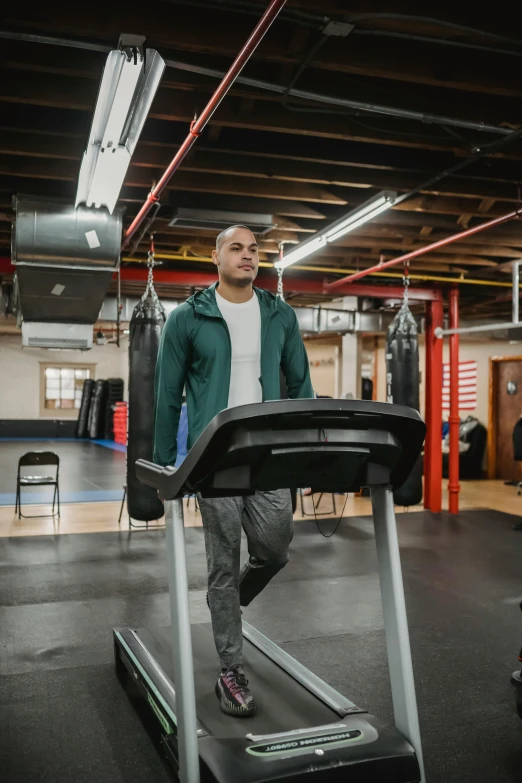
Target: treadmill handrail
x=321, y=689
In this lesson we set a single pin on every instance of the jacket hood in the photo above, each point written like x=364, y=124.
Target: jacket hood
x=204, y=302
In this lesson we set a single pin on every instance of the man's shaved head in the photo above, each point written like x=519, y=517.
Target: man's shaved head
x=236, y=256
x=223, y=235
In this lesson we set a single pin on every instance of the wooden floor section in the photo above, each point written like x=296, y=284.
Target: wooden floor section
x=103, y=517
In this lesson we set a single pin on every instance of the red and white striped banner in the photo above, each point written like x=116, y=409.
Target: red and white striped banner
x=467, y=386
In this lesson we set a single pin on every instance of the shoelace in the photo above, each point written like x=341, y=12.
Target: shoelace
x=236, y=681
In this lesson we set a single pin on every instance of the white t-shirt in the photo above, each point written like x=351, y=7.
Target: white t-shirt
x=244, y=324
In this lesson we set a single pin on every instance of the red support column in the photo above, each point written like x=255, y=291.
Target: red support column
x=433, y=445
x=428, y=339
x=454, y=420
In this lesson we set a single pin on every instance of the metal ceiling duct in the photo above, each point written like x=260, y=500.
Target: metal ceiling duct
x=311, y=320
x=217, y=220
x=77, y=337
x=322, y=320
x=65, y=259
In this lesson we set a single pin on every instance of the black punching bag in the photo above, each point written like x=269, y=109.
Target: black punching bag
x=147, y=322
x=97, y=410
x=85, y=408
x=402, y=384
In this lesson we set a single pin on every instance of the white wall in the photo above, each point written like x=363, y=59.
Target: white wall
x=324, y=367
x=20, y=373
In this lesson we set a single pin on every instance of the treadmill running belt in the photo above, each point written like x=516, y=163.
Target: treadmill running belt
x=282, y=704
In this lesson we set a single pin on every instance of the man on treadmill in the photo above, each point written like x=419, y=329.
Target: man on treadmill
x=225, y=346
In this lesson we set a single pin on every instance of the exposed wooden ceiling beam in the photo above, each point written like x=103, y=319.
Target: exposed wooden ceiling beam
x=390, y=60
x=179, y=106
x=157, y=157
x=410, y=222
x=353, y=240
x=88, y=65
x=133, y=198
x=48, y=170
x=407, y=234
x=364, y=248
x=450, y=206
x=208, y=183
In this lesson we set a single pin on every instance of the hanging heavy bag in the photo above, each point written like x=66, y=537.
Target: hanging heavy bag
x=85, y=406
x=97, y=412
x=402, y=383
x=147, y=322
x=367, y=389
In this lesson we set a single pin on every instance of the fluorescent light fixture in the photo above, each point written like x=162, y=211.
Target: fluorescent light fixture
x=350, y=222
x=129, y=82
x=301, y=252
x=217, y=219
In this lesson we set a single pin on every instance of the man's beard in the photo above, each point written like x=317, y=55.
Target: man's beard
x=237, y=282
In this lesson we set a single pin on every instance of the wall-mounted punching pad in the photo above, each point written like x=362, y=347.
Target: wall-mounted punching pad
x=147, y=322
x=402, y=388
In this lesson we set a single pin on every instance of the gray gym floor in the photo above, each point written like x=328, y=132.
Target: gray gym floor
x=88, y=471
x=64, y=716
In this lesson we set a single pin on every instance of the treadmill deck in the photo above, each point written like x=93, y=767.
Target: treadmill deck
x=281, y=703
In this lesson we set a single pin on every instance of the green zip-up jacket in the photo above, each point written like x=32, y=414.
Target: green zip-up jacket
x=195, y=354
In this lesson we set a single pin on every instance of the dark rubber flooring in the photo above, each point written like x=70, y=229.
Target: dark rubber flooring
x=64, y=717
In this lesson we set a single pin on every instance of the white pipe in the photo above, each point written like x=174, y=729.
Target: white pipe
x=515, y=292
x=440, y=333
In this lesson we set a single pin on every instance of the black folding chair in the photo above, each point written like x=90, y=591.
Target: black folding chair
x=32, y=459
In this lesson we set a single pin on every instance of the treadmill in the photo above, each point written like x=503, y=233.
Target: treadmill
x=304, y=730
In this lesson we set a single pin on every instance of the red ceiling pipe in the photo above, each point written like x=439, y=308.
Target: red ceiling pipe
x=265, y=280
x=433, y=409
x=174, y=277
x=293, y=284
x=197, y=126
x=422, y=250
x=6, y=267
x=186, y=277
x=454, y=420
x=268, y=281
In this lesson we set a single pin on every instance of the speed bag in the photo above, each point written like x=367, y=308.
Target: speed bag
x=147, y=322
x=402, y=388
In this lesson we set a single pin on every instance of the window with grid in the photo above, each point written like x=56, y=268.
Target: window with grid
x=64, y=386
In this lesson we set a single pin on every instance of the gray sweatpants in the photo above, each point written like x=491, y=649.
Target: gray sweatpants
x=267, y=520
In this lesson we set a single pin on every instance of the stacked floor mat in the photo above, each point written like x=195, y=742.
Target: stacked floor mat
x=97, y=408
x=114, y=395
x=85, y=408
x=120, y=422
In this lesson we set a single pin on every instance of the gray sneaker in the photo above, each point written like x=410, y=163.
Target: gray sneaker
x=233, y=693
